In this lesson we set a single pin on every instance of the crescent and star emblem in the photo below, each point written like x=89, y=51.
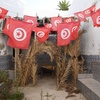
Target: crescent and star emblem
x=7, y=26
x=19, y=34
x=80, y=15
x=65, y=33
x=57, y=22
x=49, y=25
x=87, y=12
x=98, y=20
x=68, y=20
x=30, y=21
x=40, y=34
x=74, y=28
x=0, y=10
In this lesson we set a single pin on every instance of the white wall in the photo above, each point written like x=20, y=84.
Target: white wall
x=4, y=49
x=90, y=42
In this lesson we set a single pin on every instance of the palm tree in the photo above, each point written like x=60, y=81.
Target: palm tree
x=63, y=5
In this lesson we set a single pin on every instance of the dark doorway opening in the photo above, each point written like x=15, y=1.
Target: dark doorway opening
x=45, y=66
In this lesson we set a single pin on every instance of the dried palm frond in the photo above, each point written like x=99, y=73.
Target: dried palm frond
x=66, y=73
x=33, y=74
x=28, y=68
x=69, y=73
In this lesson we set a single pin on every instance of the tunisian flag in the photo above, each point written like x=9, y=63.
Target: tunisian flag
x=6, y=26
x=3, y=12
x=31, y=19
x=80, y=15
x=48, y=25
x=55, y=21
x=96, y=18
x=75, y=29
x=64, y=34
x=68, y=20
x=89, y=11
x=42, y=33
x=19, y=34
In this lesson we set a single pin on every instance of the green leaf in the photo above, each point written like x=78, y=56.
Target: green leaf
x=63, y=5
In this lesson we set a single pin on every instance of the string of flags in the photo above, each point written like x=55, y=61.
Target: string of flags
x=19, y=31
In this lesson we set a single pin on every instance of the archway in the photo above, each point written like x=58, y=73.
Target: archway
x=27, y=64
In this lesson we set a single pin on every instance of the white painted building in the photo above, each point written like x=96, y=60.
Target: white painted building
x=90, y=42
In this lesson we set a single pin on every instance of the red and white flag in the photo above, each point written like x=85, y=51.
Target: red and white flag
x=96, y=18
x=80, y=15
x=55, y=21
x=31, y=19
x=3, y=12
x=42, y=33
x=68, y=20
x=75, y=29
x=64, y=34
x=89, y=11
x=19, y=34
x=48, y=25
x=6, y=26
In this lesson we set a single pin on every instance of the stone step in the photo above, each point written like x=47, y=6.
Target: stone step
x=90, y=88
x=85, y=76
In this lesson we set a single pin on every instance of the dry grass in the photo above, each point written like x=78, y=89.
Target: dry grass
x=27, y=63
x=68, y=68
